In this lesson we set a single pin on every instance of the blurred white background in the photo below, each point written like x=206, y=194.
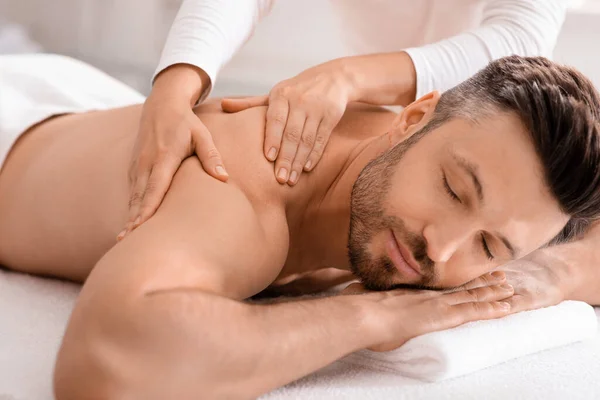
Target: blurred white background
x=125, y=38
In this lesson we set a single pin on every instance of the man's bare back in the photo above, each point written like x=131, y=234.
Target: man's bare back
x=64, y=188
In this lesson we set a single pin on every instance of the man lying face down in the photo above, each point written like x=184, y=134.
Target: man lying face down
x=507, y=150
x=438, y=196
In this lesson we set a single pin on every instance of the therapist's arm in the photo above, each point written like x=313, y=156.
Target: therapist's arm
x=203, y=38
x=521, y=27
x=304, y=110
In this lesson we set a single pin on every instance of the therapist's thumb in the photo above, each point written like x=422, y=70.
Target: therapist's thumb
x=232, y=105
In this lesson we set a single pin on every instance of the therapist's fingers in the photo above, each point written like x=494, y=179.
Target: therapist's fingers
x=305, y=147
x=321, y=139
x=292, y=135
x=207, y=152
x=157, y=186
x=233, y=105
x=276, y=119
x=139, y=173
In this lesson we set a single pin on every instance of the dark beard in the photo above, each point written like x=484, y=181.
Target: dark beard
x=367, y=219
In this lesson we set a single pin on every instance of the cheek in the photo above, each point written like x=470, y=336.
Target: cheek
x=412, y=193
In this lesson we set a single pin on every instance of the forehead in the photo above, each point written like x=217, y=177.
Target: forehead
x=517, y=201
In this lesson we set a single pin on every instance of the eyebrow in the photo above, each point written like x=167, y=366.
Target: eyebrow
x=471, y=170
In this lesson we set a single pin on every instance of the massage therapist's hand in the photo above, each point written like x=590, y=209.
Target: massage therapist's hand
x=399, y=315
x=301, y=114
x=169, y=132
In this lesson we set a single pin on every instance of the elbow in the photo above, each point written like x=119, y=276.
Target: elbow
x=77, y=376
x=96, y=359
x=132, y=358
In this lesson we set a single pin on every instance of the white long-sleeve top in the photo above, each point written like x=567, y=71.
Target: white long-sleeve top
x=447, y=40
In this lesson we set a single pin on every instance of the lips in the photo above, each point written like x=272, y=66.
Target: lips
x=401, y=257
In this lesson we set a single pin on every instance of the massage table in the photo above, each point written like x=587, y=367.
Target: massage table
x=34, y=312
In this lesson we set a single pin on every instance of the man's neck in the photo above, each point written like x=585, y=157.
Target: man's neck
x=324, y=221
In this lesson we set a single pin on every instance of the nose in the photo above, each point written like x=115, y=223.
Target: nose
x=444, y=238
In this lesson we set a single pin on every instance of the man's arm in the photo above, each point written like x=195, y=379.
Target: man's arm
x=548, y=276
x=576, y=266
x=160, y=317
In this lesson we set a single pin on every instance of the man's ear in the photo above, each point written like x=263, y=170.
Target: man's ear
x=414, y=117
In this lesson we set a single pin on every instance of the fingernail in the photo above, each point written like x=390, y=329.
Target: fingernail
x=272, y=154
x=282, y=174
x=498, y=274
x=121, y=235
x=504, y=305
x=293, y=177
x=221, y=171
x=137, y=222
x=506, y=286
x=308, y=165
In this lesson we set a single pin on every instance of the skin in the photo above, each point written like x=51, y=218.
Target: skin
x=159, y=310
x=303, y=110
x=169, y=132
x=302, y=113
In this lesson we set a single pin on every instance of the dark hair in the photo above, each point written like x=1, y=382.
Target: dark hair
x=561, y=110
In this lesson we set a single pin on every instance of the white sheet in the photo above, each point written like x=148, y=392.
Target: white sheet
x=34, y=312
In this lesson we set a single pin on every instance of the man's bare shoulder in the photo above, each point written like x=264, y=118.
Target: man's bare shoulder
x=238, y=246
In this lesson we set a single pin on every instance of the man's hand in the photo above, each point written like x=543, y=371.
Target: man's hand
x=301, y=116
x=536, y=285
x=169, y=133
x=403, y=314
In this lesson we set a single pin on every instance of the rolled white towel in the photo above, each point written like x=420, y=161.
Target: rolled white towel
x=471, y=347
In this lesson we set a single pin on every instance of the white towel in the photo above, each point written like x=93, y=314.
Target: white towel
x=471, y=347
x=34, y=87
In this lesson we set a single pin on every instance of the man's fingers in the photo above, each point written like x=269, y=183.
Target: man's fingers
x=530, y=301
x=305, y=147
x=466, y=312
x=519, y=303
x=208, y=154
x=481, y=294
x=233, y=105
x=277, y=116
x=289, y=145
x=493, y=278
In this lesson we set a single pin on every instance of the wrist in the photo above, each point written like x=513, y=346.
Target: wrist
x=380, y=79
x=350, y=75
x=567, y=277
x=181, y=83
x=369, y=322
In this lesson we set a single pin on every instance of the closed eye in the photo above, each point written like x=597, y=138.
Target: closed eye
x=449, y=190
x=486, y=248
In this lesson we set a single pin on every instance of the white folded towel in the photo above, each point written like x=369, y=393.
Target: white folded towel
x=470, y=347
